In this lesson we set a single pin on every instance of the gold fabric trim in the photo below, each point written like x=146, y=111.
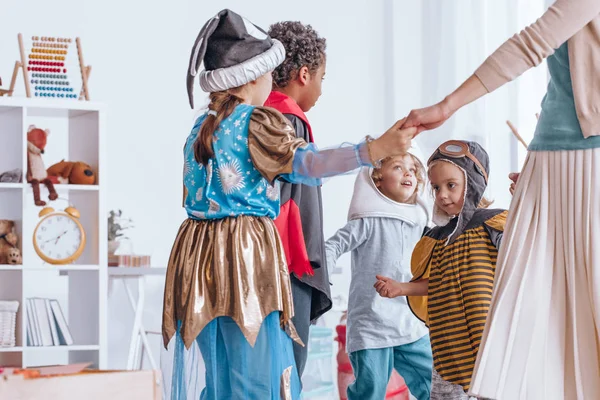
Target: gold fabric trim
x=272, y=143
x=285, y=387
x=231, y=267
x=420, y=268
x=498, y=222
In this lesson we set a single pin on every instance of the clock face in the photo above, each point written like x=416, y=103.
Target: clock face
x=59, y=239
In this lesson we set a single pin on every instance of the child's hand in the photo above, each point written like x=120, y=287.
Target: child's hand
x=395, y=141
x=387, y=287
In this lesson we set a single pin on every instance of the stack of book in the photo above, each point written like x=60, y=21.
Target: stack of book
x=128, y=260
x=46, y=323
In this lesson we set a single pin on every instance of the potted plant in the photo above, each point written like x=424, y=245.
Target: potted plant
x=116, y=225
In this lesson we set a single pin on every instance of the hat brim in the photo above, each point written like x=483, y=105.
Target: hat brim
x=238, y=75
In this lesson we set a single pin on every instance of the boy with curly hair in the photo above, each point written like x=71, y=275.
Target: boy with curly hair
x=296, y=89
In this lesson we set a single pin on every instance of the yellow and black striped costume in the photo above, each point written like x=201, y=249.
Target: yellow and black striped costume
x=461, y=280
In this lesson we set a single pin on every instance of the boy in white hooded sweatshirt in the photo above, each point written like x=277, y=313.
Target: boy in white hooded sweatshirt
x=387, y=217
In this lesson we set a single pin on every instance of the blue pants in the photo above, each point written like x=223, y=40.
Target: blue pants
x=373, y=369
x=237, y=371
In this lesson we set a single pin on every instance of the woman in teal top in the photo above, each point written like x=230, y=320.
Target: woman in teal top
x=542, y=335
x=558, y=127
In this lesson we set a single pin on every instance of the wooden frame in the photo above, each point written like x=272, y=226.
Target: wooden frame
x=22, y=65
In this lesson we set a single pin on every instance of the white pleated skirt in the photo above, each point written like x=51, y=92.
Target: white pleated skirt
x=542, y=336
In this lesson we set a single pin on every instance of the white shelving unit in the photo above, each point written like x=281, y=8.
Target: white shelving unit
x=77, y=133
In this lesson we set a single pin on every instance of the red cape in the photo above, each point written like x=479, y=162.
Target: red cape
x=288, y=223
x=286, y=105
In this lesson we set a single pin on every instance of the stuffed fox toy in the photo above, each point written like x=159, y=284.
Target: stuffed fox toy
x=36, y=170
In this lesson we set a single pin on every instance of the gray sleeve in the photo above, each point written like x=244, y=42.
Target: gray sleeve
x=350, y=237
x=495, y=236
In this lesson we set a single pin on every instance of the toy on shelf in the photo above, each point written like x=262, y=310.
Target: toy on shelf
x=12, y=176
x=36, y=171
x=8, y=324
x=46, y=69
x=9, y=250
x=4, y=91
x=75, y=173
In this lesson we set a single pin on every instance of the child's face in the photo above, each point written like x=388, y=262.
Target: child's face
x=261, y=89
x=398, y=179
x=448, y=183
x=312, y=87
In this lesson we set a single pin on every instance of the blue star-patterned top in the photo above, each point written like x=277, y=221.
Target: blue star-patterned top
x=229, y=185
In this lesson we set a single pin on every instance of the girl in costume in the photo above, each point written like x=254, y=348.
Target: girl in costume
x=387, y=217
x=542, y=338
x=228, y=285
x=453, y=266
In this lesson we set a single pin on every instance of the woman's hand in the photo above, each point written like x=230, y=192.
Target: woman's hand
x=387, y=287
x=395, y=141
x=434, y=116
x=514, y=177
x=429, y=117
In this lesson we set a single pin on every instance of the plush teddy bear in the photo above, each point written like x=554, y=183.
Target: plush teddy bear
x=77, y=173
x=14, y=256
x=36, y=171
x=8, y=239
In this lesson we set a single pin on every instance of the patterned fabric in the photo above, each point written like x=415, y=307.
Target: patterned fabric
x=231, y=184
x=461, y=280
x=232, y=267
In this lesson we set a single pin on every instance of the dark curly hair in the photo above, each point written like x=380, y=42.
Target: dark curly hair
x=303, y=47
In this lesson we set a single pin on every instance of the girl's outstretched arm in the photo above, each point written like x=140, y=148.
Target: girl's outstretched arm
x=387, y=287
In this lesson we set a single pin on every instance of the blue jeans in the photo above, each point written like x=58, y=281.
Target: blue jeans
x=373, y=369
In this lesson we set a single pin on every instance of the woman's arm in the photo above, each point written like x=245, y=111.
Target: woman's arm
x=521, y=52
x=277, y=153
x=532, y=45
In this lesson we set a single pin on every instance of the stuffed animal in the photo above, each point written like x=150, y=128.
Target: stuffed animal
x=14, y=256
x=13, y=176
x=36, y=170
x=8, y=239
x=77, y=173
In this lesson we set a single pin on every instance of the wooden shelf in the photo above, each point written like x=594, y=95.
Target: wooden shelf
x=78, y=132
x=59, y=188
x=21, y=349
x=51, y=104
x=62, y=348
x=11, y=349
x=7, y=186
x=70, y=188
x=50, y=268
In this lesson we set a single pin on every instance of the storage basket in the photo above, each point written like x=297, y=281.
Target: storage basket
x=8, y=322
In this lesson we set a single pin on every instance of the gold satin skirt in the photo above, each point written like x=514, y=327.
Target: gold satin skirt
x=233, y=267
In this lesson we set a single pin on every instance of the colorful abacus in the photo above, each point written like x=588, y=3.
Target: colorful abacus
x=45, y=69
x=48, y=55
